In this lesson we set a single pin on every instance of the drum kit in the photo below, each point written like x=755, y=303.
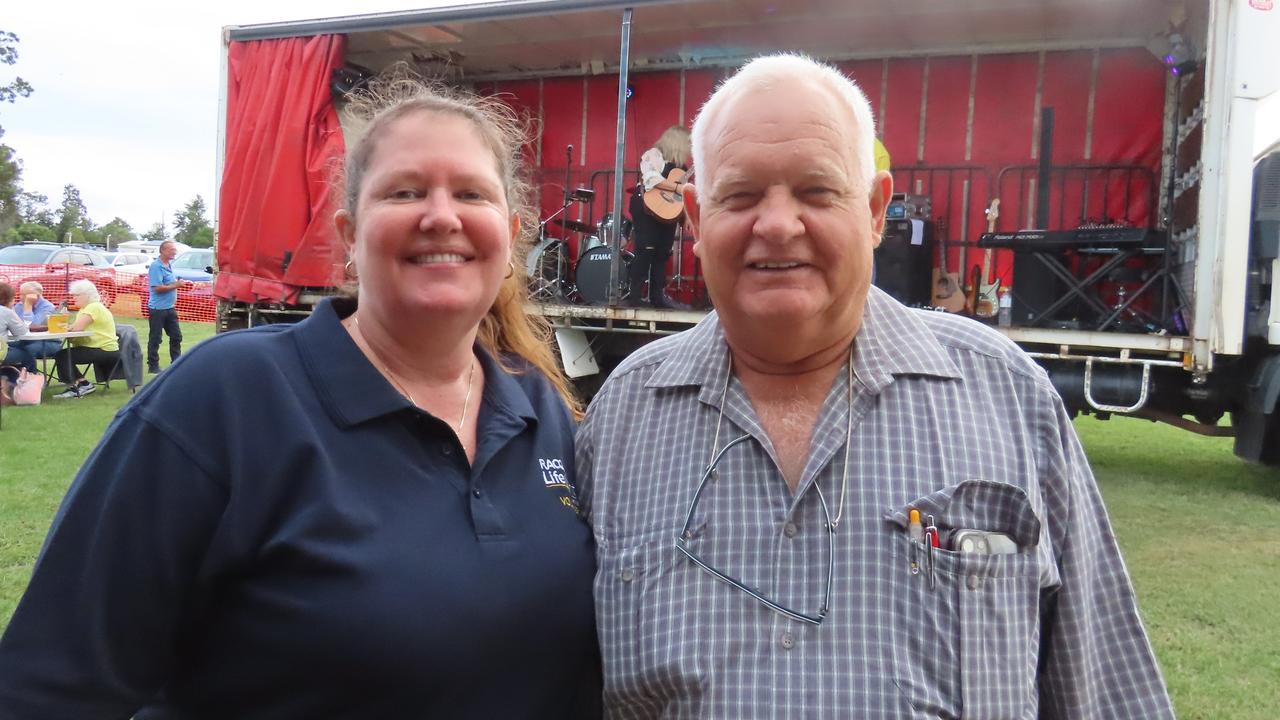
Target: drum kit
x=553, y=276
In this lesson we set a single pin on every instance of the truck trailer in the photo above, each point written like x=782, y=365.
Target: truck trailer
x=1100, y=180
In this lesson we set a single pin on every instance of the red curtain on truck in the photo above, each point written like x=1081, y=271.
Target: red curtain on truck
x=283, y=143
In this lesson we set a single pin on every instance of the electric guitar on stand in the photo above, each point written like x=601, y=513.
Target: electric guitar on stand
x=666, y=205
x=987, y=300
x=946, y=285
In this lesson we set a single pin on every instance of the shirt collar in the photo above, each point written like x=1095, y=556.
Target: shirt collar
x=352, y=390
x=892, y=341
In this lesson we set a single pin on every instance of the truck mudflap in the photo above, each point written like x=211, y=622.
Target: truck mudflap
x=1257, y=424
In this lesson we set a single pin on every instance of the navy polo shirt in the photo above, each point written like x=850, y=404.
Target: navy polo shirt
x=270, y=530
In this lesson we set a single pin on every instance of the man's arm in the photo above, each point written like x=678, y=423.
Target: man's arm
x=1095, y=658
x=155, y=275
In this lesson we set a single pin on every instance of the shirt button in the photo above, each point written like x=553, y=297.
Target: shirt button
x=475, y=492
x=447, y=449
x=627, y=575
x=974, y=582
x=790, y=529
x=787, y=641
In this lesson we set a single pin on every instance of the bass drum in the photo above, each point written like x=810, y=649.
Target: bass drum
x=548, y=268
x=592, y=274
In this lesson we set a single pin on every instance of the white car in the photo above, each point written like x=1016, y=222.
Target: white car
x=133, y=263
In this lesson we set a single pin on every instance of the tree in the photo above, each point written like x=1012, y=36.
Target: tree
x=10, y=188
x=27, y=232
x=188, y=224
x=204, y=238
x=17, y=87
x=156, y=233
x=113, y=233
x=33, y=207
x=73, y=215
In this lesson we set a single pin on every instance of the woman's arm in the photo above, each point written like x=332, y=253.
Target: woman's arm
x=96, y=634
x=83, y=321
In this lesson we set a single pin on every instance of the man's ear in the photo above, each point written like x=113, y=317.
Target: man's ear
x=881, y=194
x=691, y=211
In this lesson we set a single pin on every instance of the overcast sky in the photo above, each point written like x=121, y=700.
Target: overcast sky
x=126, y=96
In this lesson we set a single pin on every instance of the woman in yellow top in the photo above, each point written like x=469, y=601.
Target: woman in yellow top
x=101, y=347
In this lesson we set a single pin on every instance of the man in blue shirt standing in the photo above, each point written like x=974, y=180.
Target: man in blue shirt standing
x=160, y=305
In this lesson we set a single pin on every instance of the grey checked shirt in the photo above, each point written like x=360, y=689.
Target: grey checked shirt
x=949, y=418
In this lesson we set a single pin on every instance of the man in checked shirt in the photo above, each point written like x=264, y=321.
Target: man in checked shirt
x=750, y=482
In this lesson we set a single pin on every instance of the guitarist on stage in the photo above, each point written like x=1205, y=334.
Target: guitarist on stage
x=654, y=235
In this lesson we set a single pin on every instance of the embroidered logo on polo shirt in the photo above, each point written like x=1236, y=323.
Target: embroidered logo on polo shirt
x=554, y=477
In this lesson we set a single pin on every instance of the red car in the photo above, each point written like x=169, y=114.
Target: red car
x=56, y=266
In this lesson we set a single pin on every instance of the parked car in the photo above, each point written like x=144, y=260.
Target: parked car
x=150, y=248
x=134, y=263
x=194, y=265
x=55, y=266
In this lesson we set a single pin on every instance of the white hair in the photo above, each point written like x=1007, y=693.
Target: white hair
x=31, y=286
x=84, y=287
x=779, y=70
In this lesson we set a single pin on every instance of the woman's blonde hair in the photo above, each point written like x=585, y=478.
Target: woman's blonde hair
x=505, y=330
x=675, y=145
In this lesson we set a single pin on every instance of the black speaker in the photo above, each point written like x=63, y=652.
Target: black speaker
x=904, y=262
x=1035, y=288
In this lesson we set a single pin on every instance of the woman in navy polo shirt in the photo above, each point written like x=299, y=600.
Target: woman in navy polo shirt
x=368, y=514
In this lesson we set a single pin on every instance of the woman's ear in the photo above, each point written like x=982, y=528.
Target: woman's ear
x=346, y=227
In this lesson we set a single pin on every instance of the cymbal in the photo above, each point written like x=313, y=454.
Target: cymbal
x=574, y=225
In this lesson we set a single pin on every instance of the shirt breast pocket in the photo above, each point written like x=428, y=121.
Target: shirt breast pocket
x=967, y=645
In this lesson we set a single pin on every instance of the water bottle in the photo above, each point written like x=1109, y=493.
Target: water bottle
x=1005, y=314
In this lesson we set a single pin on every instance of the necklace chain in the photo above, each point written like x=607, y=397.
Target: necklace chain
x=471, y=376
x=848, y=440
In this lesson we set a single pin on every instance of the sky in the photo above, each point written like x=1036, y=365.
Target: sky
x=126, y=96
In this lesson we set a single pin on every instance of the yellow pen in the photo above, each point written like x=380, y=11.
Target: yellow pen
x=917, y=536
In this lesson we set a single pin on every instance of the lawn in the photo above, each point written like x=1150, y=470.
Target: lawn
x=1198, y=529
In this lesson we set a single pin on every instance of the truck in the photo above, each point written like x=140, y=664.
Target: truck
x=1098, y=180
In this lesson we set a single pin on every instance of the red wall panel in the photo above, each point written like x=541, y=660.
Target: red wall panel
x=902, y=109
x=947, y=113
x=698, y=86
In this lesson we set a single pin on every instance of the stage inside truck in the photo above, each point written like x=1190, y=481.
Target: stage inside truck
x=961, y=97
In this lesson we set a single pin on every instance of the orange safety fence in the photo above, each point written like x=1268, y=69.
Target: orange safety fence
x=124, y=293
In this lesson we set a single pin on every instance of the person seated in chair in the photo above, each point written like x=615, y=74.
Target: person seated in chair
x=101, y=348
x=11, y=327
x=34, y=310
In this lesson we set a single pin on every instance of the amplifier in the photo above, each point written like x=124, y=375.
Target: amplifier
x=904, y=261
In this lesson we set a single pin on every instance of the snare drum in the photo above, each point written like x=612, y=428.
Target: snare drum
x=589, y=242
x=548, y=268
x=592, y=274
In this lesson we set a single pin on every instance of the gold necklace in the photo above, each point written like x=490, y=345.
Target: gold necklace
x=471, y=376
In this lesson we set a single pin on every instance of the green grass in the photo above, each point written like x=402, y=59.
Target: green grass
x=1198, y=529
x=1200, y=532
x=41, y=447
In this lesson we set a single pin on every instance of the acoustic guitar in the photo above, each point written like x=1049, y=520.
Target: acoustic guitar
x=666, y=205
x=987, y=301
x=946, y=285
